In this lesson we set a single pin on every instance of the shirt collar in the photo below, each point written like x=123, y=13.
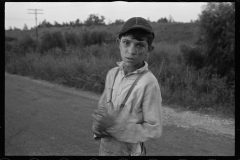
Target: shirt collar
x=140, y=70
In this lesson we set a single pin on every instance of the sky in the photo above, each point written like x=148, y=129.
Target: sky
x=16, y=13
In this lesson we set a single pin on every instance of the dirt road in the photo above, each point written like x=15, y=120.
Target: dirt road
x=48, y=119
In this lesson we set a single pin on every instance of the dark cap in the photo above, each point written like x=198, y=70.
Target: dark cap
x=136, y=22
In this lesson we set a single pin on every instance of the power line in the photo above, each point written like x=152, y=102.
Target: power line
x=36, y=13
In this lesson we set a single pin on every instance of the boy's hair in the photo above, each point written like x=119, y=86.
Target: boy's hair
x=140, y=35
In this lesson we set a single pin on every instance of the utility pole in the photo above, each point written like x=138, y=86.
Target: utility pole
x=36, y=13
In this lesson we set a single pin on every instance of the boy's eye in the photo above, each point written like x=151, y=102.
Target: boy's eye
x=126, y=42
x=140, y=46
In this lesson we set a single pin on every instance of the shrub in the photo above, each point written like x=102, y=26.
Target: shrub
x=50, y=40
x=27, y=44
x=90, y=37
x=10, y=39
x=192, y=56
x=8, y=47
x=217, y=38
x=71, y=38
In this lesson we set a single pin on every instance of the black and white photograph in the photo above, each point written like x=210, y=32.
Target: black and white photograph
x=119, y=79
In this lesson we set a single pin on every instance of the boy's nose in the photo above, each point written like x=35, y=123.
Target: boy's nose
x=132, y=50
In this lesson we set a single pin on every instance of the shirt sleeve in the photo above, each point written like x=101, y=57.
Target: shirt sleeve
x=151, y=127
x=102, y=103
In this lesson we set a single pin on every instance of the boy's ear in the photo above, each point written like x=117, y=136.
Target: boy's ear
x=150, y=48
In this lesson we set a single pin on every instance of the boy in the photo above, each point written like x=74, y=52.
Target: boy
x=127, y=117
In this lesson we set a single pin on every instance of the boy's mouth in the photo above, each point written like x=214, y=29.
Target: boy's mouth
x=129, y=58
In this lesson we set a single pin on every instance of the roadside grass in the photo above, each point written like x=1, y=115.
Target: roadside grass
x=86, y=69
x=80, y=69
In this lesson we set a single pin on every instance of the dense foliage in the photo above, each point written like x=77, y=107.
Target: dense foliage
x=217, y=30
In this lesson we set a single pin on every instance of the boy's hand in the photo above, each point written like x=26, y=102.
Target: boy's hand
x=103, y=119
x=102, y=134
x=96, y=129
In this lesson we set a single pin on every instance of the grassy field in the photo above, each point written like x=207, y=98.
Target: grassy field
x=76, y=57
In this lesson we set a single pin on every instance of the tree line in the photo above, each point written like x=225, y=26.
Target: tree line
x=93, y=19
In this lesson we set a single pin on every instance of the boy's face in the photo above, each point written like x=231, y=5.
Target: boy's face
x=133, y=51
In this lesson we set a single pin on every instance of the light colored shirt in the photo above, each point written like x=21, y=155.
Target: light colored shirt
x=145, y=120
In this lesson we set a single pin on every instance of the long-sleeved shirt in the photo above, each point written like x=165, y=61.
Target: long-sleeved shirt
x=145, y=121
